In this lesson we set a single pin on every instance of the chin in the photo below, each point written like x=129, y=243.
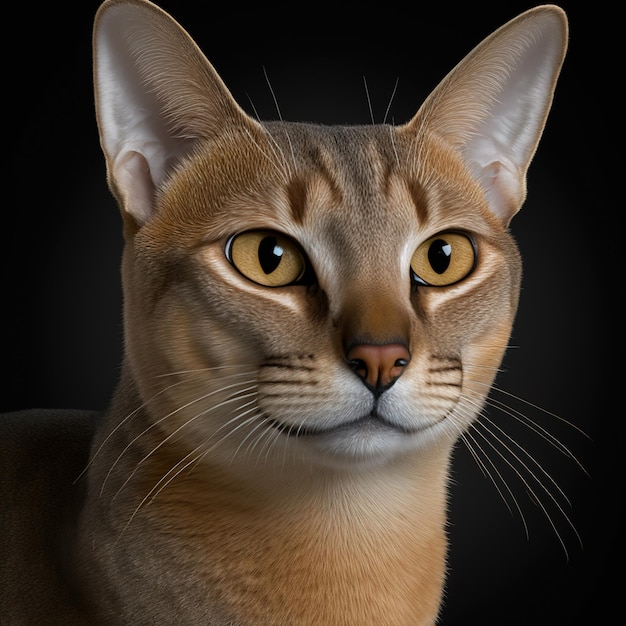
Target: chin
x=356, y=447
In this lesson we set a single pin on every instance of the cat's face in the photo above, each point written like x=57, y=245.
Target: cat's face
x=299, y=293
x=272, y=255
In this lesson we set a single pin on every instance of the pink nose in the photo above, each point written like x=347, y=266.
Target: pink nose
x=378, y=366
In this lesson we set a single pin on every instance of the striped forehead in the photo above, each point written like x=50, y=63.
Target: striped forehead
x=341, y=167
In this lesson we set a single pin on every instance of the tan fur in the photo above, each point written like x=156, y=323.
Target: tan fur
x=249, y=471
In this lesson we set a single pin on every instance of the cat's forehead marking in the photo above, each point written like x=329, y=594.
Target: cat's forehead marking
x=417, y=193
x=338, y=166
x=317, y=185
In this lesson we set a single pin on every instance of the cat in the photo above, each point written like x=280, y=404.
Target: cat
x=313, y=316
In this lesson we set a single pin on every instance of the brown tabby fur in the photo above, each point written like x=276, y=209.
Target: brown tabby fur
x=195, y=508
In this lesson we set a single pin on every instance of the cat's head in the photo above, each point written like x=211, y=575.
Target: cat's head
x=292, y=291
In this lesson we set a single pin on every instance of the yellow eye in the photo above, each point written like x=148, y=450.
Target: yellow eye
x=443, y=259
x=266, y=257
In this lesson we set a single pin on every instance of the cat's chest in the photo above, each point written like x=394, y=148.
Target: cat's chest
x=320, y=560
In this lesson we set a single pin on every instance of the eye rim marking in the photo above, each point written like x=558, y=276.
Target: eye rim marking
x=458, y=276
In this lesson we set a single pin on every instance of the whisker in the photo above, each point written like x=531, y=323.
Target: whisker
x=369, y=101
x=231, y=421
x=392, y=135
x=526, y=454
x=536, y=428
x=282, y=172
x=279, y=153
x=280, y=117
x=205, y=370
x=194, y=458
x=256, y=113
x=216, y=444
x=293, y=154
x=144, y=404
x=121, y=423
x=496, y=388
x=267, y=434
x=199, y=458
x=273, y=437
x=534, y=494
x=169, y=415
x=145, y=498
x=478, y=366
x=542, y=410
x=532, y=424
x=391, y=100
x=250, y=434
x=468, y=438
x=289, y=434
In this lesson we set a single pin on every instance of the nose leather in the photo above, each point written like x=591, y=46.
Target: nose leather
x=379, y=366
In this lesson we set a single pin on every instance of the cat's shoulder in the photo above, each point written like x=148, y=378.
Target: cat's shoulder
x=42, y=455
x=41, y=436
x=41, y=448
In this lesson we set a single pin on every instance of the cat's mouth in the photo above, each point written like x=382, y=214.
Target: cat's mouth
x=371, y=420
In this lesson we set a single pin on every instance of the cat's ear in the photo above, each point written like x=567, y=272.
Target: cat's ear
x=493, y=105
x=156, y=96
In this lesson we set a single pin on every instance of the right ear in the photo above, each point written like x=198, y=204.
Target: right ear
x=156, y=97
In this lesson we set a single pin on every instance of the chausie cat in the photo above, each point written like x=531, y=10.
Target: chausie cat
x=313, y=316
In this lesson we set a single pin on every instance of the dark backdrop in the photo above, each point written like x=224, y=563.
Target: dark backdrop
x=61, y=300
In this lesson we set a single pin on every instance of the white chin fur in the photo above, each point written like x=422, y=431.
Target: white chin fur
x=367, y=444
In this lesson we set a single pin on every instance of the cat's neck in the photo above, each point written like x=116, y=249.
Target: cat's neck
x=349, y=532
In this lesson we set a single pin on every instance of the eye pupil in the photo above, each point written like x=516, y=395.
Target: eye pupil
x=270, y=254
x=439, y=255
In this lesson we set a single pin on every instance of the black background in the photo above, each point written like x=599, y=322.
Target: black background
x=61, y=299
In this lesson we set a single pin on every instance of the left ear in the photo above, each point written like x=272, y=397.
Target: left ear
x=492, y=107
